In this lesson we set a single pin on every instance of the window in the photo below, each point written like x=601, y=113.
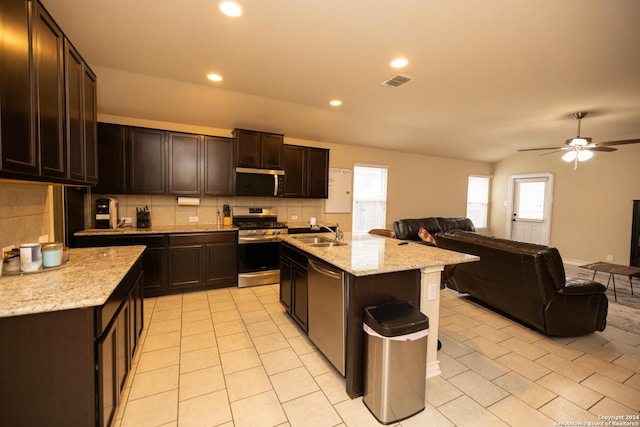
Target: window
x=369, y=198
x=478, y=200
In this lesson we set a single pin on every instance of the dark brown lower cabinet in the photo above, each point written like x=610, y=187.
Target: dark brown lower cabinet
x=153, y=257
x=294, y=284
x=68, y=367
x=202, y=260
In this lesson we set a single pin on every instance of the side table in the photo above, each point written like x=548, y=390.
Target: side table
x=612, y=269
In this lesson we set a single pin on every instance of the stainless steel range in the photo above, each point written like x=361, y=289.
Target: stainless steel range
x=258, y=245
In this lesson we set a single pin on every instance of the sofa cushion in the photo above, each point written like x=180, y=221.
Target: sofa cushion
x=425, y=236
x=407, y=229
x=464, y=224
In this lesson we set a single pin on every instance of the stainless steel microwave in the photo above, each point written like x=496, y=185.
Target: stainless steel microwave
x=259, y=182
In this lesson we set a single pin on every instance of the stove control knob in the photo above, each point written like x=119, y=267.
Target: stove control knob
x=264, y=232
x=276, y=232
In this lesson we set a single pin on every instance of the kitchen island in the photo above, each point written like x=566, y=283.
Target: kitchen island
x=68, y=335
x=379, y=269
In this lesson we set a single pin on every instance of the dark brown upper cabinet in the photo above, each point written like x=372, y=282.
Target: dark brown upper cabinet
x=317, y=185
x=295, y=171
x=112, y=164
x=306, y=172
x=191, y=164
x=17, y=142
x=48, y=68
x=259, y=149
x=218, y=166
x=47, y=100
x=90, y=114
x=81, y=118
x=147, y=161
x=185, y=164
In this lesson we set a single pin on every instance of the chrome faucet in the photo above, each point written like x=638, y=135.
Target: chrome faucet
x=338, y=233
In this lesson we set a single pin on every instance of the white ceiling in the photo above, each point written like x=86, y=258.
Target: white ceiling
x=490, y=76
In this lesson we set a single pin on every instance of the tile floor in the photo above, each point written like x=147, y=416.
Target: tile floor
x=232, y=357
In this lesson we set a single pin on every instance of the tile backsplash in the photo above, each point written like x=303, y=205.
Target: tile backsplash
x=25, y=213
x=165, y=210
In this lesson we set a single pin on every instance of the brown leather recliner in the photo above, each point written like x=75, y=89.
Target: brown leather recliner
x=527, y=281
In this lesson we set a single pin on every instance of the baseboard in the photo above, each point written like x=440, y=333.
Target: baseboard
x=575, y=262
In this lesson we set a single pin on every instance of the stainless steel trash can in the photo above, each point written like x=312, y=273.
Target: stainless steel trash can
x=395, y=360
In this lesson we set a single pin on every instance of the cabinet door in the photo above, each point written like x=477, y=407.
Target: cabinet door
x=247, y=148
x=272, y=150
x=111, y=158
x=294, y=171
x=218, y=166
x=107, y=376
x=317, y=184
x=75, y=125
x=48, y=66
x=19, y=150
x=185, y=157
x=147, y=161
x=286, y=277
x=186, y=266
x=90, y=115
x=136, y=304
x=155, y=271
x=123, y=354
x=300, y=295
x=221, y=264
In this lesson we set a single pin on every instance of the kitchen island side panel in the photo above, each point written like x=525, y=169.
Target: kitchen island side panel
x=362, y=292
x=47, y=369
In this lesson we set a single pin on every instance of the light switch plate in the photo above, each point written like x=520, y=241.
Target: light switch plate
x=43, y=239
x=193, y=219
x=126, y=219
x=433, y=289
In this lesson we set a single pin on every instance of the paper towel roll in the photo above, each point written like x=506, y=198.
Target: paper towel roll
x=188, y=201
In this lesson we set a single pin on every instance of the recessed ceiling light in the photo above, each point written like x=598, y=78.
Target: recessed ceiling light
x=231, y=8
x=399, y=62
x=335, y=103
x=214, y=77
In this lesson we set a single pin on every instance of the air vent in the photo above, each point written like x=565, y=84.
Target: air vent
x=397, y=80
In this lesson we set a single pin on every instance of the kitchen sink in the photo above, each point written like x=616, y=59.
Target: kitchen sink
x=318, y=241
x=312, y=240
x=326, y=244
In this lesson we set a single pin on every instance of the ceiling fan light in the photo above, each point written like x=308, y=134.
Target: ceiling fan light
x=578, y=142
x=584, y=155
x=569, y=156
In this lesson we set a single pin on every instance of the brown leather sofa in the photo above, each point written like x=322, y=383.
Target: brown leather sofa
x=528, y=282
x=407, y=229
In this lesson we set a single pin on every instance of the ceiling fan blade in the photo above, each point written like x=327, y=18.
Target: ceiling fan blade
x=622, y=142
x=604, y=149
x=547, y=148
x=553, y=152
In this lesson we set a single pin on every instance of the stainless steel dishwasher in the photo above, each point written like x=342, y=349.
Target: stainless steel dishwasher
x=327, y=317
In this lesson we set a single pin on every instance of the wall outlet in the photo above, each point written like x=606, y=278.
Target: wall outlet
x=294, y=217
x=609, y=257
x=433, y=289
x=126, y=220
x=7, y=249
x=193, y=219
x=43, y=239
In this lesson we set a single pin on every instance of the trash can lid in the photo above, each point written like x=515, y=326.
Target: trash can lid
x=394, y=318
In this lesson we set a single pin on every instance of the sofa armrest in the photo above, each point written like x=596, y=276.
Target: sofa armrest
x=575, y=286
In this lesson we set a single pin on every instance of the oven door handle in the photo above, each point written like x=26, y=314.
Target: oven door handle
x=259, y=239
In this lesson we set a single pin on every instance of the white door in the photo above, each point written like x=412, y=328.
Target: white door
x=530, y=199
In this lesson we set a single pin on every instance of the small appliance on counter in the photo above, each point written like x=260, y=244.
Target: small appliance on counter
x=226, y=211
x=143, y=217
x=106, y=213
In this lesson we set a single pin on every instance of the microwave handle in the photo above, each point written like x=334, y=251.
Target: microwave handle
x=275, y=186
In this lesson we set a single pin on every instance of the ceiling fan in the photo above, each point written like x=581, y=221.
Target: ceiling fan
x=581, y=148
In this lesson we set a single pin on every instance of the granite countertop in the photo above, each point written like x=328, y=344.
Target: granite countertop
x=86, y=280
x=366, y=254
x=160, y=229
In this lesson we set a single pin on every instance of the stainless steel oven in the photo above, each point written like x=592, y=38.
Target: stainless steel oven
x=258, y=245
